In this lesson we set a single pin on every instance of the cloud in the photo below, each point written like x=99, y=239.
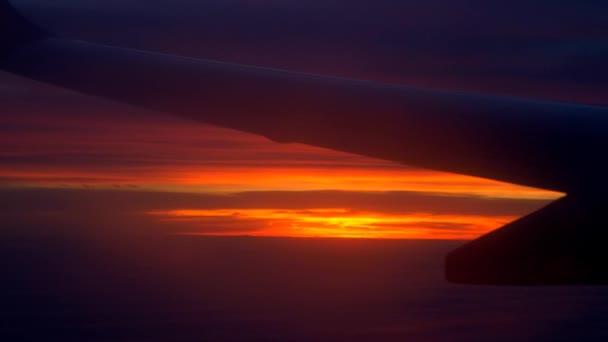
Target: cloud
x=53, y=200
x=53, y=211
x=57, y=138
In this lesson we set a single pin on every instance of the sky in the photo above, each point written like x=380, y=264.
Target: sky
x=67, y=160
x=103, y=205
x=80, y=163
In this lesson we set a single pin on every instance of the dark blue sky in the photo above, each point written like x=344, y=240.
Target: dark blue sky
x=533, y=49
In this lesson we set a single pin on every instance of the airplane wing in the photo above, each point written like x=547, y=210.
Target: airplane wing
x=557, y=146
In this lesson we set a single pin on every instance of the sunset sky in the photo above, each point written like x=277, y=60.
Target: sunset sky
x=85, y=159
x=123, y=224
x=69, y=160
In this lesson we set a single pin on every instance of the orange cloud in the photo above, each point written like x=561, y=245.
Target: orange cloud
x=161, y=153
x=341, y=222
x=148, y=153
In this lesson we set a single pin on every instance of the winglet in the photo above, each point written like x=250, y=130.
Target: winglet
x=15, y=29
x=561, y=244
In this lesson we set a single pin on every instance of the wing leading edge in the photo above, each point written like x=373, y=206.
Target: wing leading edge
x=555, y=146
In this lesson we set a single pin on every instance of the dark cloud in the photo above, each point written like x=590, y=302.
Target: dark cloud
x=260, y=289
x=42, y=127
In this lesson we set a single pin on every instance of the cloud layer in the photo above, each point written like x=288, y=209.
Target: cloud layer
x=305, y=213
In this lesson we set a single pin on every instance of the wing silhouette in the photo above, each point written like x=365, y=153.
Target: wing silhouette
x=557, y=146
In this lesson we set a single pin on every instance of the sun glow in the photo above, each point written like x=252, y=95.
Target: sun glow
x=337, y=222
x=220, y=180
x=210, y=171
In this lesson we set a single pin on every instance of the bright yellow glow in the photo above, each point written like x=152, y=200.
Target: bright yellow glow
x=341, y=222
x=176, y=156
